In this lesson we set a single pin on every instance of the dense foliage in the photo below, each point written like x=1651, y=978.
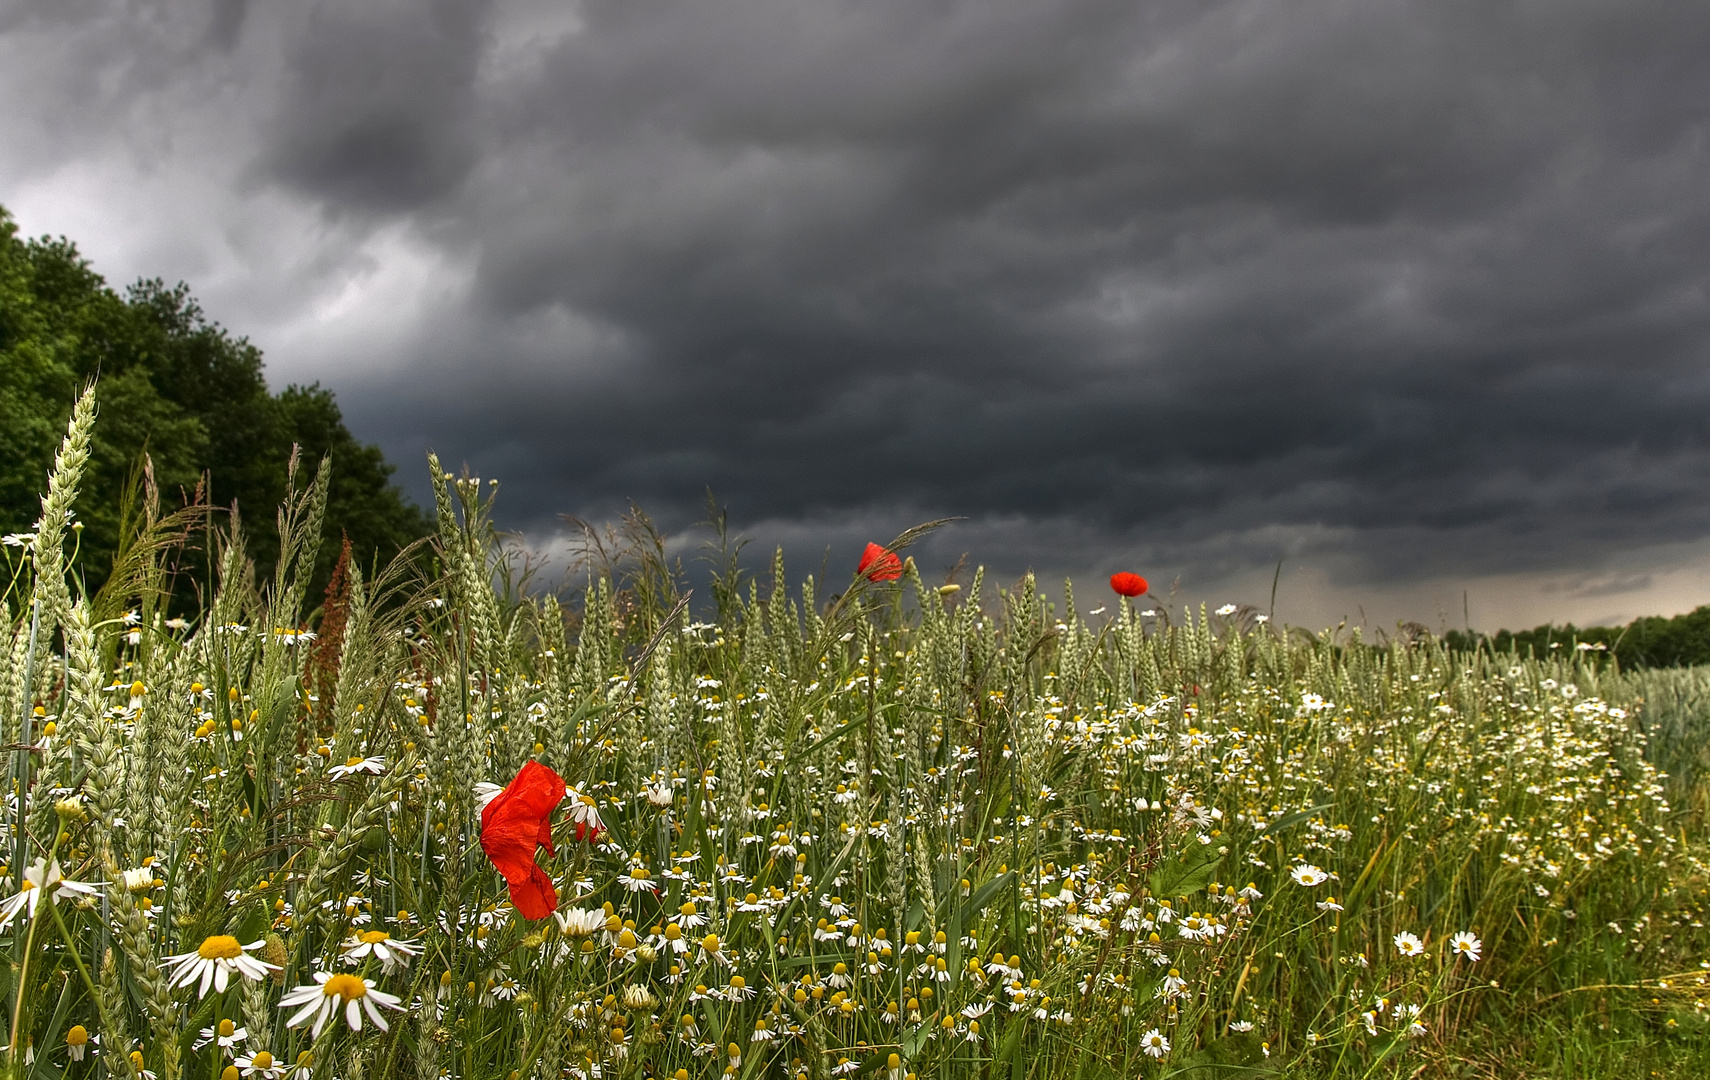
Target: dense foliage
x=176, y=387
x=919, y=831
x=1652, y=642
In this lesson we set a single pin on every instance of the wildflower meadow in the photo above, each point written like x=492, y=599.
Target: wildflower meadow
x=434, y=823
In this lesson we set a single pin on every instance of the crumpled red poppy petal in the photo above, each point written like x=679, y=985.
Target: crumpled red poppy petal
x=516, y=822
x=534, y=897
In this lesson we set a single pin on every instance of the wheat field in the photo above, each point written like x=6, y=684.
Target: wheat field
x=873, y=827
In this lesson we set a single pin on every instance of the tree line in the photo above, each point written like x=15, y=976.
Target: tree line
x=180, y=396
x=1653, y=641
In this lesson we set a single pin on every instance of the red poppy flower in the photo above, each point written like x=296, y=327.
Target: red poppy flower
x=877, y=564
x=1128, y=584
x=518, y=820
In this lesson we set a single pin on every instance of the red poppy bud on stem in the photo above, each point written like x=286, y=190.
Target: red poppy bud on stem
x=1127, y=584
x=878, y=564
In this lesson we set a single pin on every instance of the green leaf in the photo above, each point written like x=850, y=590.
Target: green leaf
x=915, y=1039
x=916, y=914
x=986, y=893
x=43, y=1068
x=1295, y=818
x=1238, y=1055
x=1186, y=872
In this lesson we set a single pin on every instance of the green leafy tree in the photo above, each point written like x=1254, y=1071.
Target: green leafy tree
x=1654, y=641
x=178, y=388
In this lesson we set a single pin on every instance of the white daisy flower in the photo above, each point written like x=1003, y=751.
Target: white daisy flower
x=226, y=1033
x=580, y=922
x=77, y=1042
x=1465, y=944
x=674, y=940
x=690, y=916
x=1154, y=1043
x=373, y=766
x=41, y=879
x=392, y=953
x=712, y=950
x=1308, y=875
x=141, y=879
x=261, y=1063
x=305, y=1067
x=213, y=963
x=638, y=880
x=332, y=992
x=738, y=990
x=1408, y=944
x=583, y=814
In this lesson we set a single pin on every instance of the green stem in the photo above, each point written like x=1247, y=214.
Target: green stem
x=30, y=941
x=82, y=969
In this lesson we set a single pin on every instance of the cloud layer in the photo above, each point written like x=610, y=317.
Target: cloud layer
x=1411, y=293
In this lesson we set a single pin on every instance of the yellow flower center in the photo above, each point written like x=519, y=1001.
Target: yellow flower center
x=226, y=1029
x=77, y=1036
x=348, y=987
x=351, y=762
x=28, y=884
x=230, y=1072
x=220, y=947
x=639, y=873
x=673, y=932
x=373, y=937
x=262, y=1060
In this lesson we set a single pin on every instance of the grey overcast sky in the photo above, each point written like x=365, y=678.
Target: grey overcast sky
x=1410, y=295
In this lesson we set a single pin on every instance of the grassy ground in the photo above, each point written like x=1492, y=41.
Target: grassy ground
x=907, y=829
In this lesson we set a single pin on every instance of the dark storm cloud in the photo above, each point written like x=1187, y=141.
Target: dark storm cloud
x=1419, y=285
x=377, y=105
